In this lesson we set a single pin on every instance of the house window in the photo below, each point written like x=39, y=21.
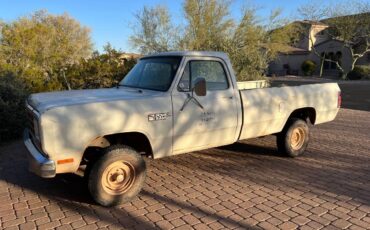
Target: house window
x=332, y=64
x=334, y=57
x=338, y=58
x=329, y=64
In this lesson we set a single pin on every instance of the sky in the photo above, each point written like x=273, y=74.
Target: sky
x=111, y=20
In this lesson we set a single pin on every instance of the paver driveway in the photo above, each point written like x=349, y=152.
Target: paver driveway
x=245, y=185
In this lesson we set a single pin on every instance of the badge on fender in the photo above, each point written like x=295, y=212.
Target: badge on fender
x=158, y=116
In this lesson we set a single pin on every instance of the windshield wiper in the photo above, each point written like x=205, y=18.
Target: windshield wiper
x=132, y=87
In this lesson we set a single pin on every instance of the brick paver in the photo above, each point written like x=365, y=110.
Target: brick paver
x=245, y=185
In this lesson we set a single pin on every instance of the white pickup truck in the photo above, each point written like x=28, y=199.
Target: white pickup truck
x=169, y=103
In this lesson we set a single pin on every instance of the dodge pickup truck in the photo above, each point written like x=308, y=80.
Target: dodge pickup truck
x=169, y=103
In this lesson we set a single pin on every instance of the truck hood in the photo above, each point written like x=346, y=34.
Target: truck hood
x=45, y=101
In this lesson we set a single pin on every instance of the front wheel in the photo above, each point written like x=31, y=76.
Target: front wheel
x=294, y=138
x=117, y=177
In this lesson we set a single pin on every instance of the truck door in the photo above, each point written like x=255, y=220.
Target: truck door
x=204, y=121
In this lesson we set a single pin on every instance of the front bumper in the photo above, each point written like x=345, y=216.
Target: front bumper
x=38, y=164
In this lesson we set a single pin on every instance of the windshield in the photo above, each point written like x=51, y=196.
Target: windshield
x=154, y=73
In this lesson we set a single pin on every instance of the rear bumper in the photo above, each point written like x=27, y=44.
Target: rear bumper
x=38, y=163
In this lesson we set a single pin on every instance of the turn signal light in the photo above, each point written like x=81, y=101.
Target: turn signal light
x=65, y=161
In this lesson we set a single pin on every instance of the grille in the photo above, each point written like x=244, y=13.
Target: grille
x=31, y=116
x=30, y=126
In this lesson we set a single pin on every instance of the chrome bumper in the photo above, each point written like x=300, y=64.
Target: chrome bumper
x=38, y=164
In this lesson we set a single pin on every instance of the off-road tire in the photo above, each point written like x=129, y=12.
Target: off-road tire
x=294, y=138
x=108, y=188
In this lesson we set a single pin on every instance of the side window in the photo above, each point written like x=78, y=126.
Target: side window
x=212, y=71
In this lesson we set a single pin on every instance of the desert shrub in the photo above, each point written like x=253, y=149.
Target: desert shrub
x=359, y=72
x=100, y=71
x=308, y=67
x=13, y=94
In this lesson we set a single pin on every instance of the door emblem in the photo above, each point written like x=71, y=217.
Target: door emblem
x=158, y=116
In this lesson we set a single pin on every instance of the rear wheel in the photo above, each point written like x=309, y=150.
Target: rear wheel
x=294, y=138
x=117, y=177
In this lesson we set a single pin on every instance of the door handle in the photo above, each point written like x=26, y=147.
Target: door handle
x=229, y=97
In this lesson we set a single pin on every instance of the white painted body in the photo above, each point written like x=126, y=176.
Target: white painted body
x=266, y=110
x=70, y=121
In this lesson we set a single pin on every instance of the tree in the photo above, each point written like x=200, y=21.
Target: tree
x=349, y=23
x=153, y=30
x=208, y=24
x=13, y=95
x=312, y=11
x=250, y=43
x=254, y=44
x=39, y=47
x=245, y=48
x=100, y=71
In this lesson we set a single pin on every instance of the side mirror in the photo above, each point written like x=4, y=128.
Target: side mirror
x=200, y=88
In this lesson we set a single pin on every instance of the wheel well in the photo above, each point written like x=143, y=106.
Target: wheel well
x=136, y=140
x=306, y=114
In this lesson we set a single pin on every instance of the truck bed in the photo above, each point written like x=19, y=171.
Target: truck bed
x=266, y=110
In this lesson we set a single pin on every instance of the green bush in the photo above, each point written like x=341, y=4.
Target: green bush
x=308, y=67
x=12, y=111
x=359, y=72
x=100, y=71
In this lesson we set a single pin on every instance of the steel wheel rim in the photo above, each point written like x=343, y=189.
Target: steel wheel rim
x=118, y=177
x=297, y=138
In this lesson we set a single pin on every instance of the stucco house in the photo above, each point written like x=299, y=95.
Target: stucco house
x=315, y=38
